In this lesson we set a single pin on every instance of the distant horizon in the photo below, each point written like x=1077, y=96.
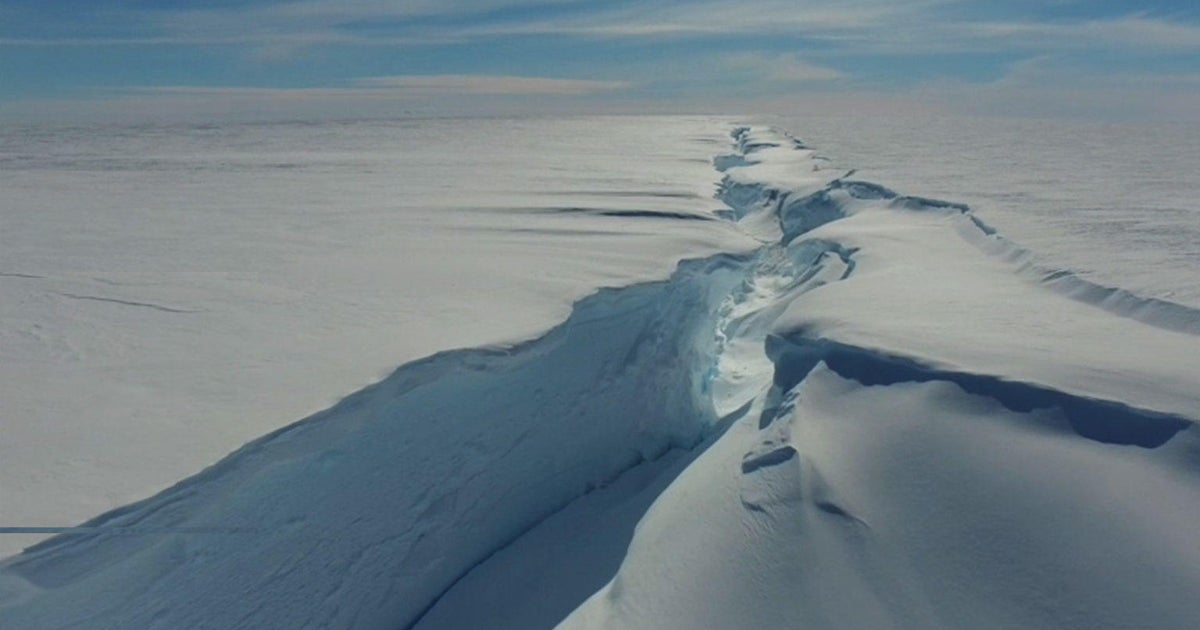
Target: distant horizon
x=283, y=118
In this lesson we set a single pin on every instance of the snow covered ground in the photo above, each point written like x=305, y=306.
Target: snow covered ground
x=845, y=407
x=1114, y=202
x=169, y=293
x=946, y=440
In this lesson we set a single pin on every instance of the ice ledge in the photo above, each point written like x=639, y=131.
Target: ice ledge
x=933, y=283
x=1096, y=419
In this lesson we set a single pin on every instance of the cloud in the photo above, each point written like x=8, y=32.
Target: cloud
x=686, y=51
x=416, y=22
x=489, y=84
x=368, y=97
x=1132, y=32
x=784, y=68
x=709, y=18
x=401, y=87
x=854, y=27
x=355, y=22
x=1043, y=86
x=1051, y=87
x=343, y=10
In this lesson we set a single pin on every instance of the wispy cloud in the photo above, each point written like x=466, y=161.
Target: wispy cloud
x=1052, y=86
x=712, y=18
x=426, y=95
x=781, y=68
x=678, y=51
x=401, y=87
x=1134, y=31
x=409, y=23
x=851, y=28
x=490, y=84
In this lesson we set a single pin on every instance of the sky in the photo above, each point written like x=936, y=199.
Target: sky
x=150, y=59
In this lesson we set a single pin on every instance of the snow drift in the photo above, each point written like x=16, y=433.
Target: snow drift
x=886, y=416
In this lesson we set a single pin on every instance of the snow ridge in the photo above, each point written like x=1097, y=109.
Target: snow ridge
x=803, y=208
x=795, y=353
x=1105, y=421
x=938, y=440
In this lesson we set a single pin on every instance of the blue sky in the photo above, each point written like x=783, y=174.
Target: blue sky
x=69, y=59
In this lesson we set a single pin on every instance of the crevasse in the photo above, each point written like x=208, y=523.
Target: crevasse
x=377, y=512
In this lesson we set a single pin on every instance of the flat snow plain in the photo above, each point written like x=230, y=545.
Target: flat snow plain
x=847, y=407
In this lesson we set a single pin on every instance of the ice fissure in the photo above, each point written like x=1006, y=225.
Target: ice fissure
x=394, y=493
x=941, y=440
x=375, y=512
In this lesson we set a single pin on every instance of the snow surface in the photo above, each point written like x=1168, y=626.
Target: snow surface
x=1115, y=203
x=170, y=293
x=869, y=410
x=945, y=442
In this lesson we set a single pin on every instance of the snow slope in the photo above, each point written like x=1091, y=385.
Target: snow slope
x=169, y=293
x=881, y=415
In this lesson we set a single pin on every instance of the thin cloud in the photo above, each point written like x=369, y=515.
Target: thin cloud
x=1135, y=31
x=711, y=18
x=783, y=68
x=853, y=28
x=490, y=84
x=687, y=51
x=367, y=97
x=340, y=10
x=405, y=87
x=392, y=23
x=1049, y=86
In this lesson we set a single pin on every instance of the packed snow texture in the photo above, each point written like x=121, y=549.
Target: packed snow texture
x=881, y=413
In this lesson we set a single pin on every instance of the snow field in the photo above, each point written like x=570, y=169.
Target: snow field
x=883, y=416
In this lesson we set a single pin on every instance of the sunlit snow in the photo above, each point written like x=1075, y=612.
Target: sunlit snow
x=669, y=372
